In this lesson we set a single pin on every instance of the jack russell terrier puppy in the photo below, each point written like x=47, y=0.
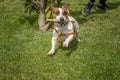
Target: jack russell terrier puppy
x=64, y=29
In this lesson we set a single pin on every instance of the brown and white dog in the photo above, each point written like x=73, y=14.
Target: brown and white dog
x=64, y=29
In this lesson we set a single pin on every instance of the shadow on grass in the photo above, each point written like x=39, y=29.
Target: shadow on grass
x=113, y=5
x=73, y=45
x=110, y=7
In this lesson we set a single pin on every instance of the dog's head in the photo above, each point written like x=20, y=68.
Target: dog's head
x=61, y=14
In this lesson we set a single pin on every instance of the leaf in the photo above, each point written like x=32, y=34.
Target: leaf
x=48, y=15
x=47, y=9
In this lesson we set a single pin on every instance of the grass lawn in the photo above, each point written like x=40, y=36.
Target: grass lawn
x=23, y=48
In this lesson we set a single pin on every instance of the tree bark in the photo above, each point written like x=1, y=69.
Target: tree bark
x=42, y=18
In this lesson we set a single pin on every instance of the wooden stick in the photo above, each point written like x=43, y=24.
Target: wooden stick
x=52, y=20
x=55, y=20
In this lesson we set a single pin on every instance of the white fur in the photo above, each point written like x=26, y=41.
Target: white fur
x=60, y=15
x=64, y=29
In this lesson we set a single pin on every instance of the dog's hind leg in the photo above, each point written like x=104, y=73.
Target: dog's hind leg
x=76, y=28
x=77, y=31
x=77, y=37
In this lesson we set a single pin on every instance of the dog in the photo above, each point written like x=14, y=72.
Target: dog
x=64, y=29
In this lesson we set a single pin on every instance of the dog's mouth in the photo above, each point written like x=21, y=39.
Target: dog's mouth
x=61, y=23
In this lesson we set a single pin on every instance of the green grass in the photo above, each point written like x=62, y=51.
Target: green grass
x=23, y=48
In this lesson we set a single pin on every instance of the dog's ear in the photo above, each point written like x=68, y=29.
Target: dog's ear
x=68, y=12
x=64, y=6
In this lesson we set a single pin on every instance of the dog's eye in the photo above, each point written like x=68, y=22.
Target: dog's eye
x=65, y=13
x=57, y=13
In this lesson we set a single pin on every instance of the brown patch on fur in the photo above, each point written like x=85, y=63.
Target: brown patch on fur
x=65, y=10
x=55, y=11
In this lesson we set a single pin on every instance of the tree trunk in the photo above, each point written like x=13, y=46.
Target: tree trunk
x=41, y=19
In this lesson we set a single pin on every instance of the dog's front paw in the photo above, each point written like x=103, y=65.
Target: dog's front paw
x=65, y=44
x=50, y=53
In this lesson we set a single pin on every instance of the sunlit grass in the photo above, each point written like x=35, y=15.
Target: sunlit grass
x=23, y=48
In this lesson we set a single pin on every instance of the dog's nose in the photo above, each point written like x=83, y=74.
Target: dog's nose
x=61, y=19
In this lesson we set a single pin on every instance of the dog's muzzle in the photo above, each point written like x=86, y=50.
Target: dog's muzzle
x=62, y=22
x=61, y=19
